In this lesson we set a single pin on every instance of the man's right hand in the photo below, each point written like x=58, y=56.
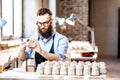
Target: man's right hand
x=22, y=55
x=23, y=46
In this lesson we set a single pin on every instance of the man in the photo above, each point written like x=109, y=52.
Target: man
x=49, y=45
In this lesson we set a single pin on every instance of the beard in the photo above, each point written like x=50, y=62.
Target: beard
x=47, y=33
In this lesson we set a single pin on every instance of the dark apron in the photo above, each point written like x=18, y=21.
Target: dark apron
x=39, y=58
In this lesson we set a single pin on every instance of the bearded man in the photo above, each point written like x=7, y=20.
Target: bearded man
x=49, y=44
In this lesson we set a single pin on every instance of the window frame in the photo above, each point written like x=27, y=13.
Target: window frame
x=15, y=23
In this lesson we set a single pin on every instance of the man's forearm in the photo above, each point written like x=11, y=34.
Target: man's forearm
x=50, y=56
x=22, y=55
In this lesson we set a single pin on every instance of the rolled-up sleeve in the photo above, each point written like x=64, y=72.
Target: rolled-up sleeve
x=28, y=53
x=62, y=47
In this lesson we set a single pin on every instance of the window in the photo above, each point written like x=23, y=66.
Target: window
x=12, y=13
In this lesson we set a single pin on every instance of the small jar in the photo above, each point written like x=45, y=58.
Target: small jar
x=71, y=70
x=86, y=70
x=47, y=69
x=30, y=43
x=55, y=69
x=95, y=70
x=79, y=70
x=63, y=70
x=40, y=69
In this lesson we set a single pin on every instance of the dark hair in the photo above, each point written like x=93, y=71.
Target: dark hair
x=43, y=11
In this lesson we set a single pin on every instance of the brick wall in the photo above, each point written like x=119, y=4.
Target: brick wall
x=80, y=8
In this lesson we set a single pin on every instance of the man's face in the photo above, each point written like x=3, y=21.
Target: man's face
x=44, y=23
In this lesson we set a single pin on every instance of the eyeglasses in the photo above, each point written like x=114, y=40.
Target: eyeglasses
x=43, y=23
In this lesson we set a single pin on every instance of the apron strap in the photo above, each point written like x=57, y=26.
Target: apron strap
x=39, y=58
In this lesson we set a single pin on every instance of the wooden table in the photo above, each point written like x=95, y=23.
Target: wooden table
x=12, y=75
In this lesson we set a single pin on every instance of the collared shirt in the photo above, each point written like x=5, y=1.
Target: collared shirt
x=60, y=44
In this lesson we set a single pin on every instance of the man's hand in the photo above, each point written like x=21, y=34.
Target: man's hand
x=23, y=46
x=37, y=47
x=22, y=55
